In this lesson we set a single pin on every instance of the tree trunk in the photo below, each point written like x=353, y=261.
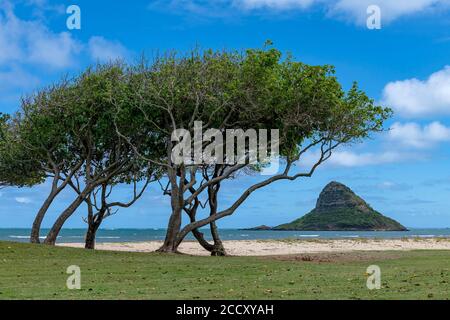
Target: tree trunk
x=170, y=243
x=36, y=228
x=201, y=240
x=177, y=203
x=218, y=248
x=55, y=190
x=57, y=226
x=90, y=236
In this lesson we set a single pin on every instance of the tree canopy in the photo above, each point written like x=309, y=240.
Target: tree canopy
x=255, y=89
x=114, y=124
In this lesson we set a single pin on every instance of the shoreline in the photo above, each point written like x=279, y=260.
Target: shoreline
x=283, y=247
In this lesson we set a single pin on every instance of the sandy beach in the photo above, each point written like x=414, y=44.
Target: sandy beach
x=285, y=247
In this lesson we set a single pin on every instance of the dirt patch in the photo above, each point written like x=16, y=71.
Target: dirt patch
x=332, y=257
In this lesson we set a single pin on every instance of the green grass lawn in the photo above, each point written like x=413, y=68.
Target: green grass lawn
x=39, y=272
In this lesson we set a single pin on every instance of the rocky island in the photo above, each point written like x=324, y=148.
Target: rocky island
x=340, y=209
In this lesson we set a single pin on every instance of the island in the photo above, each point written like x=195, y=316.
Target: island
x=338, y=208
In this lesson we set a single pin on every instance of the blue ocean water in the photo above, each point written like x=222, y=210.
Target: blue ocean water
x=138, y=235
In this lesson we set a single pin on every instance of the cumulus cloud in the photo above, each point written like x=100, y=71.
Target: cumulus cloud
x=413, y=135
x=24, y=41
x=416, y=98
x=103, y=50
x=28, y=48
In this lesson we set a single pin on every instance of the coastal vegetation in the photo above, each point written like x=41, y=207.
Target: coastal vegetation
x=114, y=123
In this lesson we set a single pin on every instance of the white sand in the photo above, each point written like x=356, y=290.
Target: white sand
x=284, y=247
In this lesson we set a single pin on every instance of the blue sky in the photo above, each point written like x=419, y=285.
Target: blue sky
x=404, y=173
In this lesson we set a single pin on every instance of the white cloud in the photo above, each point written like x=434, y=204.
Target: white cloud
x=54, y=50
x=413, y=135
x=28, y=48
x=273, y=4
x=352, y=159
x=415, y=98
x=354, y=10
x=404, y=142
x=22, y=200
x=390, y=9
x=32, y=42
x=16, y=77
x=40, y=7
x=103, y=50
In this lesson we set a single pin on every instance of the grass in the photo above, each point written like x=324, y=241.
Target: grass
x=39, y=272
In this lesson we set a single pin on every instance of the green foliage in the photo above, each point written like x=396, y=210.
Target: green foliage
x=258, y=89
x=17, y=168
x=108, y=113
x=117, y=120
x=75, y=121
x=343, y=219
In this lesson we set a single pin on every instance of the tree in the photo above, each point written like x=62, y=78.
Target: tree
x=100, y=101
x=3, y=143
x=33, y=150
x=191, y=209
x=44, y=139
x=258, y=89
x=98, y=205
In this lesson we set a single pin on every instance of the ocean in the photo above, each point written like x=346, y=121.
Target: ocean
x=138, y=235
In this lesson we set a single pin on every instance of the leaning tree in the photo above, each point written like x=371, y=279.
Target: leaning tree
x=42, y=140
x=100, y=105
x=99, y=203
x=257, y=89
x=65, y=133
x=28, y=157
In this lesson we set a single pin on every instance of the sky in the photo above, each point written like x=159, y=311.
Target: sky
x=403, y=173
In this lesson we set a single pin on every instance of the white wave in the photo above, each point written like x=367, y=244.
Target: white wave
x=27, y=237
x=308, y=235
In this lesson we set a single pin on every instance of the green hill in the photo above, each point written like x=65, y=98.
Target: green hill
x=340, y=209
